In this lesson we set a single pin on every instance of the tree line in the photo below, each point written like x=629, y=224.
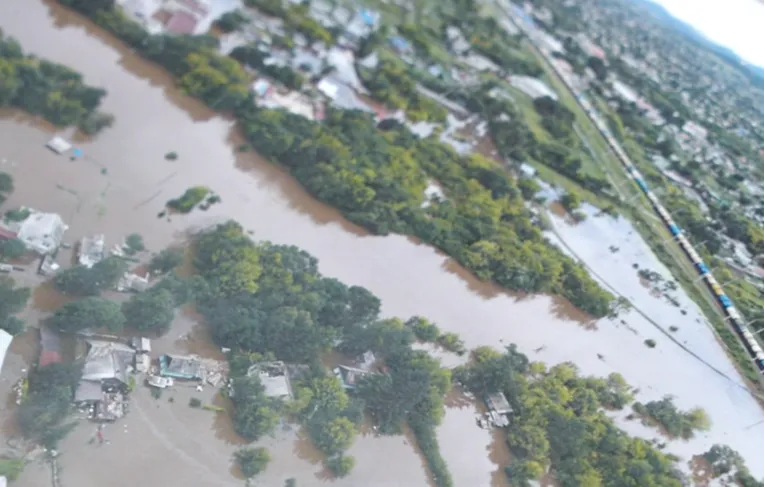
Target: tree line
x=377, y=178
x=52, y=91
x=267, y=301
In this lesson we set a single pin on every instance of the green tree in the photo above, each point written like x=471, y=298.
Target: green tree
x=231, y=21
x=166, y=260
x=134, y=243
x=255, y=414
x=81, y=281
x=335, y=436
x=88, y=313
x=48, y=402
x=341, y=465
x=12, y=300
x=12, y=248
x=252, y=461
x=152, y=310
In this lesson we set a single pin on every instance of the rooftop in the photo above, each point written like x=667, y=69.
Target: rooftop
x=274, y=377
x=107, y=360
x=181, y=22
x=180, y=367
x=42, y=232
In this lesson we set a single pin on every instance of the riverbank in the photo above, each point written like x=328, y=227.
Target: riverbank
x=409, y=277
x=653, y=231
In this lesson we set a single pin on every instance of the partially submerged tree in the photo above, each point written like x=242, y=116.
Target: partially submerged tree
x=152, y=310
x=88, y=313
x=252, y=461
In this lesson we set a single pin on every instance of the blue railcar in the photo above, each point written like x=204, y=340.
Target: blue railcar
x=642, y=184
x=674, y=230
x=702, y=268
x=725, y=300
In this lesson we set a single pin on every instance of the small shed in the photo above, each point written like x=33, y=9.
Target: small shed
x=58, y=145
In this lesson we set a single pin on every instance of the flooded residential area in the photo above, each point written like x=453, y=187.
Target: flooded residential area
x=121, y=183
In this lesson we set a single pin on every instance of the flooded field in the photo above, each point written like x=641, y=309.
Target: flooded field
x=124, y=181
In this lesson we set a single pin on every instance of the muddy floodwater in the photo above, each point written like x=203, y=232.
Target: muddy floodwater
x=122, y=183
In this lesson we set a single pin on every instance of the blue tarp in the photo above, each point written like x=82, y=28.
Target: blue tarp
x=368, y=17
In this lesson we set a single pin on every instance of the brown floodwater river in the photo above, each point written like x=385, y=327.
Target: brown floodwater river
x=123, y=182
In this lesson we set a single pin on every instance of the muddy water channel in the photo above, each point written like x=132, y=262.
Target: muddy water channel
x=123, y=182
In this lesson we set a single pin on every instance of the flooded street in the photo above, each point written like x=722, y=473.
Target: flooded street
x=124, y=182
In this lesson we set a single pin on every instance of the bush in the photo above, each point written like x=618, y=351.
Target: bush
x=190, y=198
x=677, y=423
x=134, y=243
x=96, y=122
x=252, y=461
x=341, y=465
x=650, y=343
x=171, y=156
x=195, y=403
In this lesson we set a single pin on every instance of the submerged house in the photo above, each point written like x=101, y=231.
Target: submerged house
x=349, y=376
x=91, y=250
x=42, y=232
x=108, y=363
x=180, y=367
x=274, y=377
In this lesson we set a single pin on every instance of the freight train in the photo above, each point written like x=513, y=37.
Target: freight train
x=731, y=313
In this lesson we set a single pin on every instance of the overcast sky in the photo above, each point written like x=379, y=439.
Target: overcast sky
x=737, y=24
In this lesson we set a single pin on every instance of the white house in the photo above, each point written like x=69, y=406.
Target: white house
x=42, y=232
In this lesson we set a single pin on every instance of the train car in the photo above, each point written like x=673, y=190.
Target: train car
x=641, y=183
x=674, y=230
x=652, y=198
x=725, y=301
x=702, y=268
x=733, y=313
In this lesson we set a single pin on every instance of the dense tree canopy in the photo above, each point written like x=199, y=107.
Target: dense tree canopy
x=377, y=178
x=558, y=420
x=390, y=83
x=88, y=313
x=255, y=414
x=152, y=310
x=51, y=90
x=676, y=423
x=81, y=281
x=252, y=461
x=48, y=403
